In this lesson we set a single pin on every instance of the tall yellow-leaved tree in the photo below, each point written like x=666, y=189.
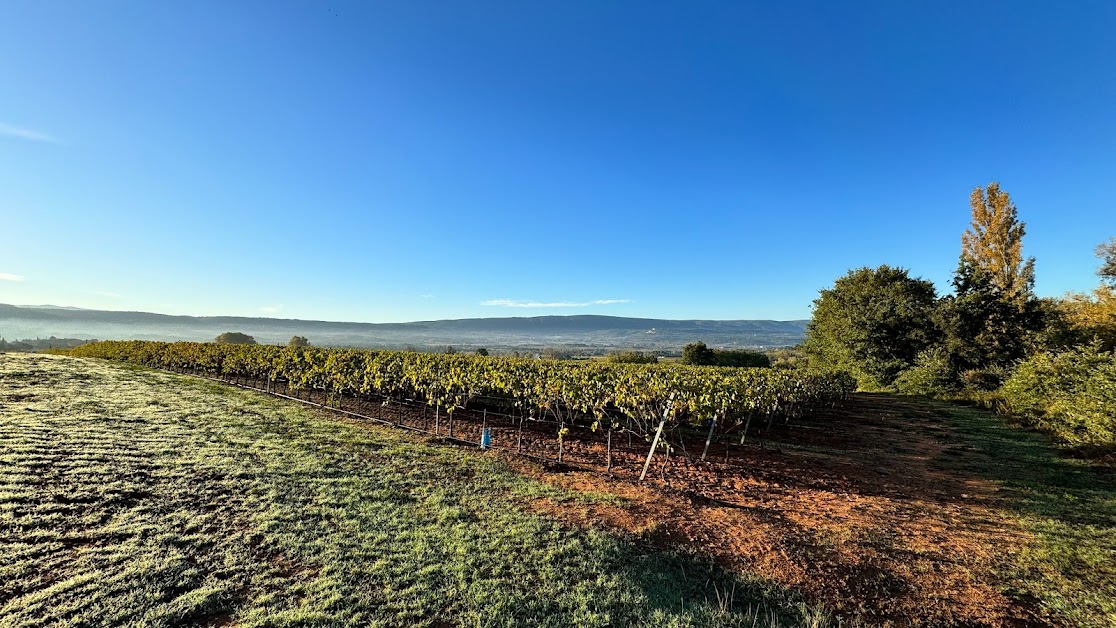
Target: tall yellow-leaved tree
x=994, y=243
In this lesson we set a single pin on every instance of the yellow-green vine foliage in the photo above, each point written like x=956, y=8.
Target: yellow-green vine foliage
x=591, y=390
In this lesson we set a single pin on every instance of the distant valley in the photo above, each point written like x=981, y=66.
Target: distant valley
x=578, y=333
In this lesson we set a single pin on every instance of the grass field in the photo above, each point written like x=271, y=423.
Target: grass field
x=136, y=497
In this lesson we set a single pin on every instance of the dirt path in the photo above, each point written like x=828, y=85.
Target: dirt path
x=863, y=513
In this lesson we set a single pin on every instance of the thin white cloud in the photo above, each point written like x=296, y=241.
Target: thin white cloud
x=541, y=304
x=271, y=309
x=24, y=133
x=426, y=296
x=107, y=294
x=10, y=277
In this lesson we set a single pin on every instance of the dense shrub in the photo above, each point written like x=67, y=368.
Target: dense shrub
x=985, y=379
x=234, y=338
x=1072, y=394
x=932, y=375
x=633, y=357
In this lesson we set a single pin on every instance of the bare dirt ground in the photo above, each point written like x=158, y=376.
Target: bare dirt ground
x=860, y=514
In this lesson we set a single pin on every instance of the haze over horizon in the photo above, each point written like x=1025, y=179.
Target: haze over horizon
x=429, y=161
x=280, y=317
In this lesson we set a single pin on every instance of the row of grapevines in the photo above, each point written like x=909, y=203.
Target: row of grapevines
x=591, y=391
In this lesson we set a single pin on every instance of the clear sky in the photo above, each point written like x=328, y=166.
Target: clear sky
x=391, y=161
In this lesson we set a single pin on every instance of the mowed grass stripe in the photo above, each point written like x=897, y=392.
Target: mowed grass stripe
x=147, y=498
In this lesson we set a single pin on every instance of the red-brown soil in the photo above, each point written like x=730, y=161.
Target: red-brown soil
x=854, y=514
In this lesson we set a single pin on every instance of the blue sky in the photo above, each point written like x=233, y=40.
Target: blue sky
x=395, y=161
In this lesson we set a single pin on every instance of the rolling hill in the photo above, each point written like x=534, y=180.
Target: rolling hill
x=572, y=332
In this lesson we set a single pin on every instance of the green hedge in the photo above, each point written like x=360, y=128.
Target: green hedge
x=1072, y=394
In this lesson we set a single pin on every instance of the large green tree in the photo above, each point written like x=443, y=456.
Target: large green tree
x=985, y=326
x=873, y=323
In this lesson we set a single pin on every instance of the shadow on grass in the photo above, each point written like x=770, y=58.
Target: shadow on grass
x=695, y=592
x=1067, y=503
x=1034, y=477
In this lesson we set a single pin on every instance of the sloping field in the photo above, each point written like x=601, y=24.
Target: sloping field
x=137, y=497
x=144, y=497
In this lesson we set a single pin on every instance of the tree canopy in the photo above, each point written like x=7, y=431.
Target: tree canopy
x=1106, y=251
x=993, y=314
x=298, y=341
x=1093, y=316
x=984, y=326
x=873, y=323
x=234, y=338
x=994, y=243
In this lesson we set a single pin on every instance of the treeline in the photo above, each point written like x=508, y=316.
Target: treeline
x=991, y=340
x=697, y=354
x=40, y=344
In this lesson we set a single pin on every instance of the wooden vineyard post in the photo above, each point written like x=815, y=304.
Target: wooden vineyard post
x=608, y=456
x=747, y=423
x=519, y=437
x=709, y=437
x=560, y=441
x=450, y=413
x=437, y=418
x=658, y=435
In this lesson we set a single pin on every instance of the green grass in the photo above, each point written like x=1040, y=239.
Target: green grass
x=143, y=498
x=1069, y=505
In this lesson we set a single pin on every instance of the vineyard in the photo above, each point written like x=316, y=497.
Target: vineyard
x=573, y=413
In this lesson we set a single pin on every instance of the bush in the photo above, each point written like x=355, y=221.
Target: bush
x=633, y=357
x=234, y=338
x=698, y=354
x=1072, y=394
x=932, y=375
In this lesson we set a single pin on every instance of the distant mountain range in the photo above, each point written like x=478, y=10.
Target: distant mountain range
x=575, y=333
